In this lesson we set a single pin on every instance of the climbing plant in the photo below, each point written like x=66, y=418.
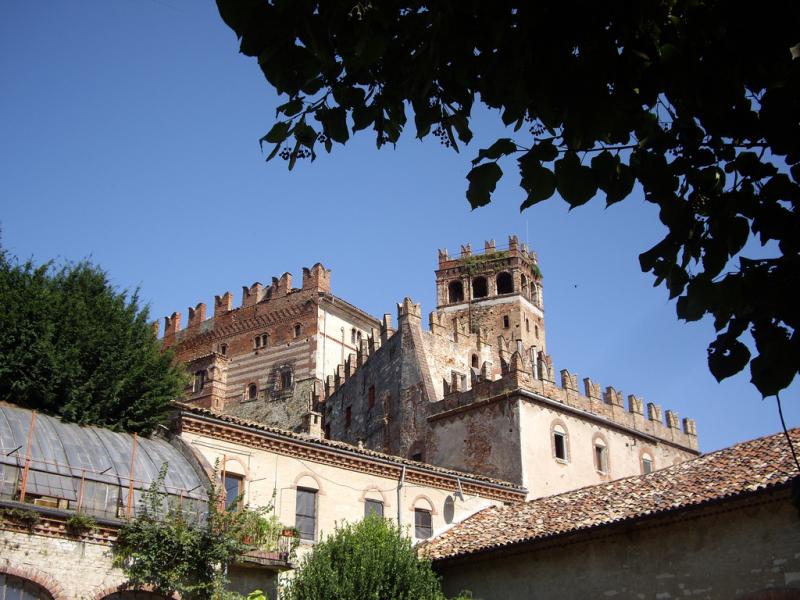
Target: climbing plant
x=173, y=551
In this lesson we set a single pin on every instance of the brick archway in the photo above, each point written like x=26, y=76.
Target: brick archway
x=125, y=589
x=43, y=580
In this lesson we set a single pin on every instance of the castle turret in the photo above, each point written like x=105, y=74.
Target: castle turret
x=498, y=291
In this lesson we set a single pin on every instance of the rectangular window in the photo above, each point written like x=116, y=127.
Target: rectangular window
x=505, y=322
x=286, y=379
x=371, y=397
x=234, y=485
x=600, y=458
x=560, y=443
x=348, y=416
x=306, y=513
x=373, y=506
x=199, y=380
x=423, y=528
x=647, y=465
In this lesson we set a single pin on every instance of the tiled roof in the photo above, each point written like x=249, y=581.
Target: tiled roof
x=756, y=464
x=188, y=408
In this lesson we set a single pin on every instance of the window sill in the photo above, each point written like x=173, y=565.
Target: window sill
x=562, y=461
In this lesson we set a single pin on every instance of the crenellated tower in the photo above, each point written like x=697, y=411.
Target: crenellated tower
x=497, y=293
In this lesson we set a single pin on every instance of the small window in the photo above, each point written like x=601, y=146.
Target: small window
x=505, y=321
x=353, y=336
x=358, y=337
x=328, y=431
x=234, y=487
x=423, y=527
x=560, y=443
x=223, y=349
x=505, y=283
x=348, y=417
x=536, y=331
x=306, y=513
x=475, y=361
x=371, y=397
x=373, y=507
x=527, y=325
x=601, y=458
x=199, y=380
x=264, y=340
x=252, y=391
x=297, y=330
x=286, y=379
x=479, y=287
x=417, y=457
x=455, y=292
x=257, y=342
x=647, y=464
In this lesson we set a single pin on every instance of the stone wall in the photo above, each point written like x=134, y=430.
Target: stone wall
x=737, y=549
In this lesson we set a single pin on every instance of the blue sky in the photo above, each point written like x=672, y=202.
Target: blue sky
x=129, y=134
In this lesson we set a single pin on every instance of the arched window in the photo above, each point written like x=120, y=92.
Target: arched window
x=600, y=454
x=535, y=294
x=524, y=283
x=264, y=340
x=257, y=342
x=353, y=335
x=505, y=283
x=475, y=361
x=527, y=325
x=455, y=292
x=479, y=287
x=297, y=330
x=648, y=465
x=536, y=331
x=223, y=349
x=286, y=378
x=199, y=380
x=252, y=391
x=12, y=586
x=559, y=442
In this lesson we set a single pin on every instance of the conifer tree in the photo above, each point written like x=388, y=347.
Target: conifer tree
x=72, y=345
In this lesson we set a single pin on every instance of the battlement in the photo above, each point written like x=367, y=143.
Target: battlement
x=315, y=279
x=607, y=404
x=512, y=249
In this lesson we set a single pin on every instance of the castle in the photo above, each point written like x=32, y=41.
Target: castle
x=475, y=392
x=514, y=484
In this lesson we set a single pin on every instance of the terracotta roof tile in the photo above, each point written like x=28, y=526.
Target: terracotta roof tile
x=746, y=467
x=188, y=408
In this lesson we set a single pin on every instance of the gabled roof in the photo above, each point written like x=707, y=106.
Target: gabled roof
x=744, y=468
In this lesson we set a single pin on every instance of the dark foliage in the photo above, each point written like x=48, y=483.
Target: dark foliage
x=697, y=102
x=73, y=346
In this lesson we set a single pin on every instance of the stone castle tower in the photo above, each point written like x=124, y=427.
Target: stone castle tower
x=497, y=293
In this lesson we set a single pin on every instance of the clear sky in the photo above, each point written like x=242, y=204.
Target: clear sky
x=129, y=134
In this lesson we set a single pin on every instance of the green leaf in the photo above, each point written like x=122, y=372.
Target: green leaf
x=305, y=134
x=334, y=122
x=501, y=147
x=727, y=356
x=291, y=108
x=544, y=151
x=482, y=182
x=278, y=133
x=538, y=181
x=574, y=182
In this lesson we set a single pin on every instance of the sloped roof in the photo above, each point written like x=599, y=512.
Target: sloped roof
x=190, y=409
x=64, y=453
x=747, y=467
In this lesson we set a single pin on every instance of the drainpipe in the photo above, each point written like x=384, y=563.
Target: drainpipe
x=399, y=489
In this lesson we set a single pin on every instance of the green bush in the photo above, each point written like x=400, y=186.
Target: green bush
x=80, y=523
x=372, y=560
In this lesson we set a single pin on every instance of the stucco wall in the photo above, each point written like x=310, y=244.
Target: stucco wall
x=341, y=492
x=720, y=553
x=545, y=475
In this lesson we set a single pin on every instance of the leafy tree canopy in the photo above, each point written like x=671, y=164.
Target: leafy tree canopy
x=73, y=346
x=369, y=559
x=696, y=101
